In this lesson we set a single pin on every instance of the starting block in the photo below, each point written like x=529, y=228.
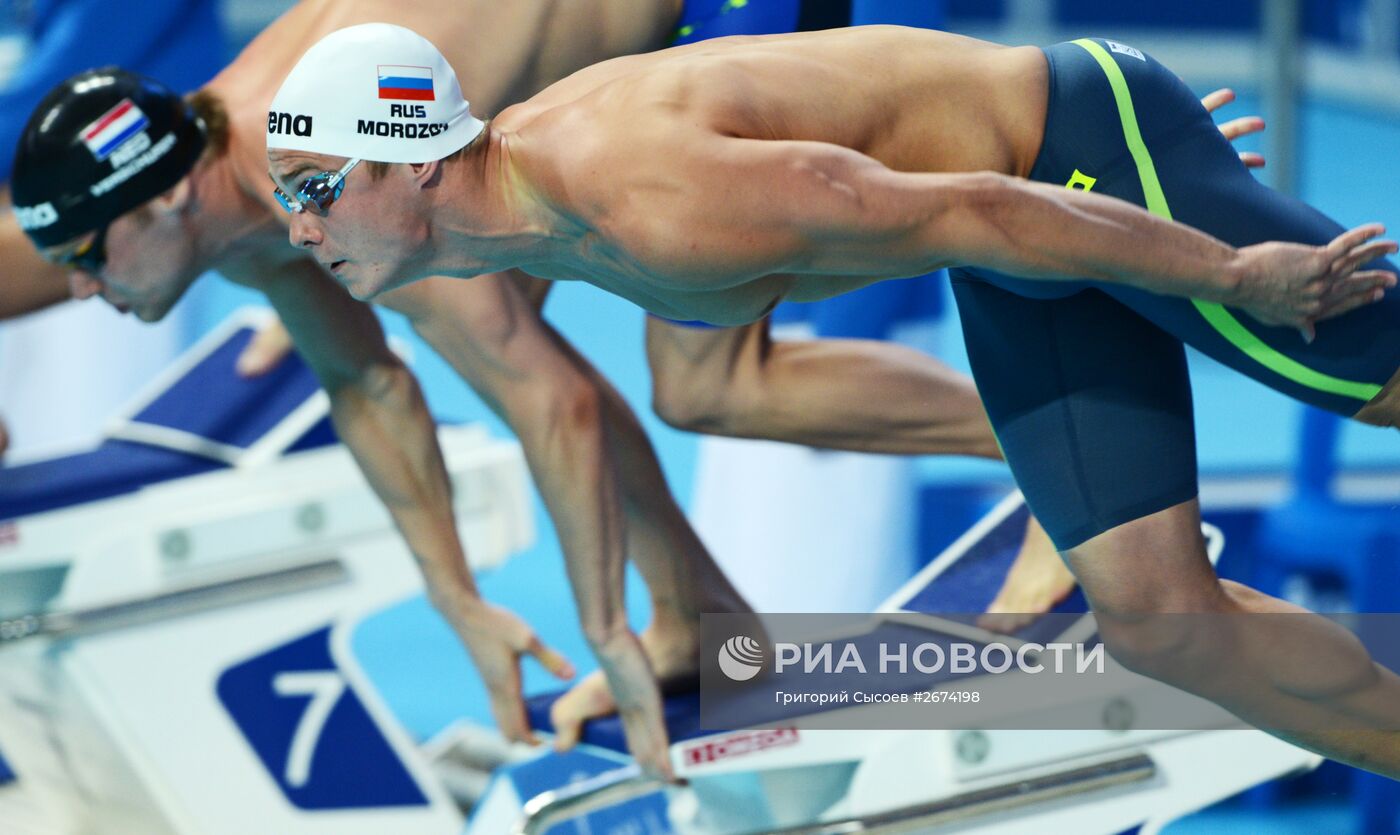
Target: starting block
x=799, y=780
x=176, y=605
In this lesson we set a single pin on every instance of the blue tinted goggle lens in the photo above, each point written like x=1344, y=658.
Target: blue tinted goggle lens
x=318, y=192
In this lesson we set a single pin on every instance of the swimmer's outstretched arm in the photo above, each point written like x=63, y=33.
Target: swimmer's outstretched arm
x=28, y=283
x=824, y=209
x=379, y=412
x=493, y=337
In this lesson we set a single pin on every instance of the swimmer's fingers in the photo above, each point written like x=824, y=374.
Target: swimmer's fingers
x=496, y=639
x=1295, y=285
x=508, y=708
x=551, y=659
x=1348, y=241
x=1235, y=128
x=4, y=439
x=1243, y=126
x=1251, y=159
x=647, y=742
x=1364, y=254
x=1356, y=290
x=1331, y=293
x=1217, y=99
x=638, y=699
x=499, y=668
x=266, y=350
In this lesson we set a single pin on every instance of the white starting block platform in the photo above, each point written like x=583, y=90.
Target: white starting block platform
x=175, y=612
x=798, y=780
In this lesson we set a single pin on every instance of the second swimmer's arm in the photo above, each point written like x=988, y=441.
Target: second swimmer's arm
x=28, y=283
x=848, y=214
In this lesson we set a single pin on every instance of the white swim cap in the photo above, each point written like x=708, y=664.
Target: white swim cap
x=375, y=92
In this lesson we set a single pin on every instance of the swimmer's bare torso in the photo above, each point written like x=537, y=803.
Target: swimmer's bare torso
x=637, y=159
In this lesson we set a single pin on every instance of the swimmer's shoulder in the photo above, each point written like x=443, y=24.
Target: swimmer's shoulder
x=629, y=121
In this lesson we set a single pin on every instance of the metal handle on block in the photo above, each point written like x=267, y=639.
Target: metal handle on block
x=229, y=591
x=607, y=789
x=1009, y=796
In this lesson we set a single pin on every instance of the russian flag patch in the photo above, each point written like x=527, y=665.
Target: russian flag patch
x=405, y=83
x=113, y=128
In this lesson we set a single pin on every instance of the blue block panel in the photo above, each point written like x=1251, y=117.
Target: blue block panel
x=322, y=434
x=113, y=469
x=213, y=402
x=682, y=714
x=644, y=815
x=274, y=700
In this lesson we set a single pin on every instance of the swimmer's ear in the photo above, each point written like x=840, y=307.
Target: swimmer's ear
x=426, y=174
x=174, y=200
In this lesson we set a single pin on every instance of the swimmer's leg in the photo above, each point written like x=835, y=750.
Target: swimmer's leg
x=1384, y=408
x=1093, y=406
x=1299, y=671
x=1037, y=580
x=850, y=394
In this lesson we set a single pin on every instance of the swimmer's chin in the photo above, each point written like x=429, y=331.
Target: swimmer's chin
x=145, y=313
x=360, y=293
x=360, y=288
x=154, y=312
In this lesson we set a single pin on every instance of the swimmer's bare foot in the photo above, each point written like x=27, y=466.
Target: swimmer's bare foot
x=1036, y=582
x=674, y=654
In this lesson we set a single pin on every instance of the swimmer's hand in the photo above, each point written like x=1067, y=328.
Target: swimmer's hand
x=496, y=639
x=1235, y=128
x=638, y=700
x=4, y=439
x=269, y=346
x=1298, y=286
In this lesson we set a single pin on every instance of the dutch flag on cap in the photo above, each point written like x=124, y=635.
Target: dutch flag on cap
x=113, y=128
x=409, y=83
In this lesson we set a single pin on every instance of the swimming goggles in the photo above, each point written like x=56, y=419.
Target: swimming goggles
x=316, y=193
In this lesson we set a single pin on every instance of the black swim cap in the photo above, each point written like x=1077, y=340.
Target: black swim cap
x=99, y=145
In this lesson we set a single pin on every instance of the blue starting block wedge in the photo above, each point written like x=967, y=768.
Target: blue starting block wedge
x=197, y=417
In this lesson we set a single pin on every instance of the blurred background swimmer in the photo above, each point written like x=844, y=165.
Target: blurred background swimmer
x=46, y=398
